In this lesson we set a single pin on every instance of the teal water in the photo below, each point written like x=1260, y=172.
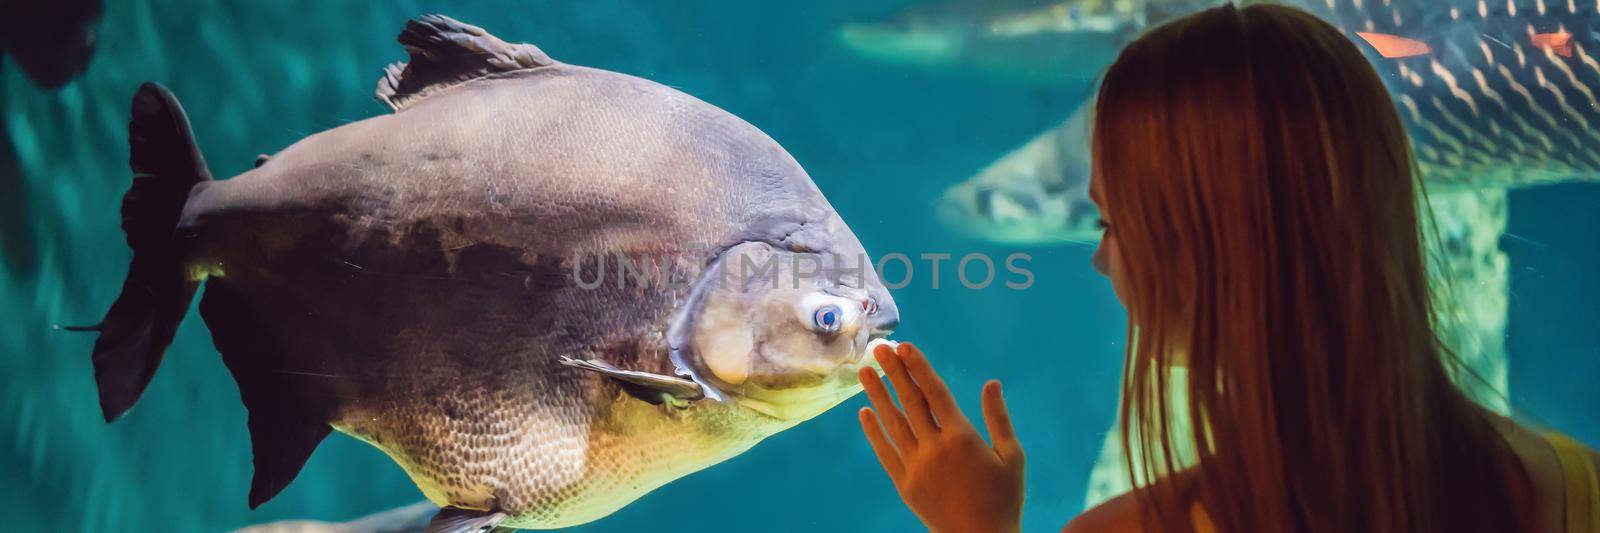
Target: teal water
x=881, y=142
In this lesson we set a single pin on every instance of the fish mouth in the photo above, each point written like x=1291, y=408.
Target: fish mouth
x=797, y=404
x=867, y=360
x=882, y=320
x=969, y=211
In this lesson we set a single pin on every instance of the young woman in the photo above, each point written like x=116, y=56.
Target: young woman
x=1261, y=227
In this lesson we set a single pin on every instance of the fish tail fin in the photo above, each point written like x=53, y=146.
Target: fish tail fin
x=135, y=333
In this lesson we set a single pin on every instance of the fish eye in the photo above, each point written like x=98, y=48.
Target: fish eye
x=827, y=318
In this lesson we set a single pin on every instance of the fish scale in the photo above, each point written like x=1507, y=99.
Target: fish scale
x=1494, y=95
x=1486, y=107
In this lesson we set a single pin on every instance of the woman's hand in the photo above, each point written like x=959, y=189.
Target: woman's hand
x=949, y=477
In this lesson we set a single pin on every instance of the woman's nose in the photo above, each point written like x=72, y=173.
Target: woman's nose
x=1101, y=264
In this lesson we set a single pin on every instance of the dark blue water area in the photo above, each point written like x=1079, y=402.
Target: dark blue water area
x=880, y=142
x=1554, y=324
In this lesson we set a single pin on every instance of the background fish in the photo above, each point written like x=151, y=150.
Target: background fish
x=1028, y=41
x=51, y=42
x=417, y=281
x=412, y=518
x=1494, y=94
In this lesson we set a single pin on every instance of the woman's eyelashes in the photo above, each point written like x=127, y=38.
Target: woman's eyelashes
x=1102, y=224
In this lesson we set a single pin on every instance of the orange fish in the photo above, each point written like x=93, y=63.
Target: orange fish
x=1394, y=46
x=1560, y=42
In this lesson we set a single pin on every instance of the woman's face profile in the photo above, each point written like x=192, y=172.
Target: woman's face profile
x=1107, y=256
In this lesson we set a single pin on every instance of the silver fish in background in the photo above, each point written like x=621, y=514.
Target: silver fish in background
x=1037, y=194
x=412, y=518
x=1027, y=41
x=1494, y=94
x=434, y=283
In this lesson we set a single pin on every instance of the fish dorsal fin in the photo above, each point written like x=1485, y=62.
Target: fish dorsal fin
x=445, y=52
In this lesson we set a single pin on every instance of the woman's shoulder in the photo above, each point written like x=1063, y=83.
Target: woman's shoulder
x=1116, y=515
x=1542, y=464
x=1573, y=453
x=1124, y=514
x=1532, y=448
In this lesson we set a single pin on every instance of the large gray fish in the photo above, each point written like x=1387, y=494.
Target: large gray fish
x=1495, y=94
x=433, y=282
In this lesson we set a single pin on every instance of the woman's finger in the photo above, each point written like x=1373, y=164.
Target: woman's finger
x=1001, y=433
x=916, y=406
x=887, y=455
x=899, y=430
x=938, y=396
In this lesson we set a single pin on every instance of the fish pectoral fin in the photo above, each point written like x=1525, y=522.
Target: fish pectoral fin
x=653, y=388
x=456, y=520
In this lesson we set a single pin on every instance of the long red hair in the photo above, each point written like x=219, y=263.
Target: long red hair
x=1265, y=201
